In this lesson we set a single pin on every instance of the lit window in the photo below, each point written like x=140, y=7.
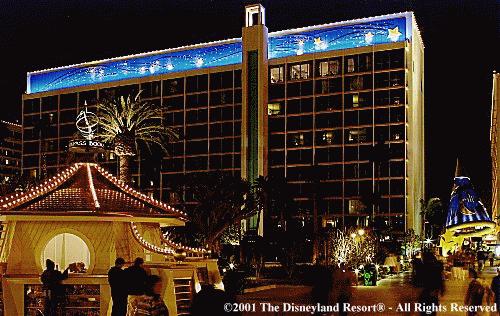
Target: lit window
x=355, y=100
x=357, y=135
x=111, y=155
x=6, y=161
x=277, y=74
x=350, y=65
x=329, y=68
x=323, y=68
x=300, y=71
x=356, y=83
x=274, y=109
x=298, y=140
x=328, y=137
x=355, y=206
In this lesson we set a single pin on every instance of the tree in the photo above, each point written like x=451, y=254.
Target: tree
x=350, y=247
x=433, y=213
x=17, y=183
x=274, y=195
x=220, y=200
x=411, y=243
x=40, y=130
x=124, y=122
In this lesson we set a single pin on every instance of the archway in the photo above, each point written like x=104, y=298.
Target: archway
x=65, y=249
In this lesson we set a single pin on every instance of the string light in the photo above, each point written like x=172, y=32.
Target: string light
x=145, y=198
x=15, y=199
x=165, y=250
x=92, y=189
x=177, y=245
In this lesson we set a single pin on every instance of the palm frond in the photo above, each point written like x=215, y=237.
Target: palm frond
x=140, y=119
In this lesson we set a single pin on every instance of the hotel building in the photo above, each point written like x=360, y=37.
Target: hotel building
x=494, y=136
x=10, y=150
x=267, y=104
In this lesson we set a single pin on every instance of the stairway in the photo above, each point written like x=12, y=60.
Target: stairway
x=183, y=294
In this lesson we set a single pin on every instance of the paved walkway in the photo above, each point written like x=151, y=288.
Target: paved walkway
x=391, y=292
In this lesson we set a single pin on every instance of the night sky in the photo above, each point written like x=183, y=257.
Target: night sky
x=461, y=50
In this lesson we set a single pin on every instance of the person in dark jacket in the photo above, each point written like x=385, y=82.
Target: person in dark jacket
x=116, y=279
x=136, y=278
x=209, y=301
x=52, y=287
x=322, y=284
x=431, y=280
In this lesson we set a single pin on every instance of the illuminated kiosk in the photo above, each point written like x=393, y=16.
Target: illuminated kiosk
x=467, y=216
x=84, y=214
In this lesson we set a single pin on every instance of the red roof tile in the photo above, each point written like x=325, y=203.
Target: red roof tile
x=86, y=189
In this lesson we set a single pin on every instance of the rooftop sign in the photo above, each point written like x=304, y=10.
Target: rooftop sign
x=343, y=35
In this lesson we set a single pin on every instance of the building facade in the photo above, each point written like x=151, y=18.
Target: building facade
x=342, y=101
x=494, y=135
x=10, y=150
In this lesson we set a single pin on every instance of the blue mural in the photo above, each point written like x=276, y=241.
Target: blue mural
x=341, y=37
x=281, y=44
x=465, y=205
x=136, y=67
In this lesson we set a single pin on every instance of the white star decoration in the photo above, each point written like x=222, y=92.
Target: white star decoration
x=394, y=34
x=319, y=44
x=300, y=50
x=199, y=62
x=369, y=37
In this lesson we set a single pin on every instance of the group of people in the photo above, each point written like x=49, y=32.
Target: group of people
x=469, y=258
x=429, y=275
x=134, y=292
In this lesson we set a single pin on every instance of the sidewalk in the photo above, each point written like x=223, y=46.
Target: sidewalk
x=390, y=291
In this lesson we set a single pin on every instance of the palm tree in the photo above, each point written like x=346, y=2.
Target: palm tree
x=41, y=128
x=125, y=122
x=433, y=213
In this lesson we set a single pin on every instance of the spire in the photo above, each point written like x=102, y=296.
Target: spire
x=460, y=170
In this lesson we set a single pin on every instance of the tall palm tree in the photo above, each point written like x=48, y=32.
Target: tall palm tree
x=40, y=130
x=125, y=122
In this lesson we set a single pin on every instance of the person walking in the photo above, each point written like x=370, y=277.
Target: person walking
x=116, y=279
x=495, y=287
x=343, y=280
x=151, y=303
x=475, y=293
x=52, y=287
x=491, y=258
x=136, y=278
x=431, y=281
x=480, y=260
x=322, y=284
